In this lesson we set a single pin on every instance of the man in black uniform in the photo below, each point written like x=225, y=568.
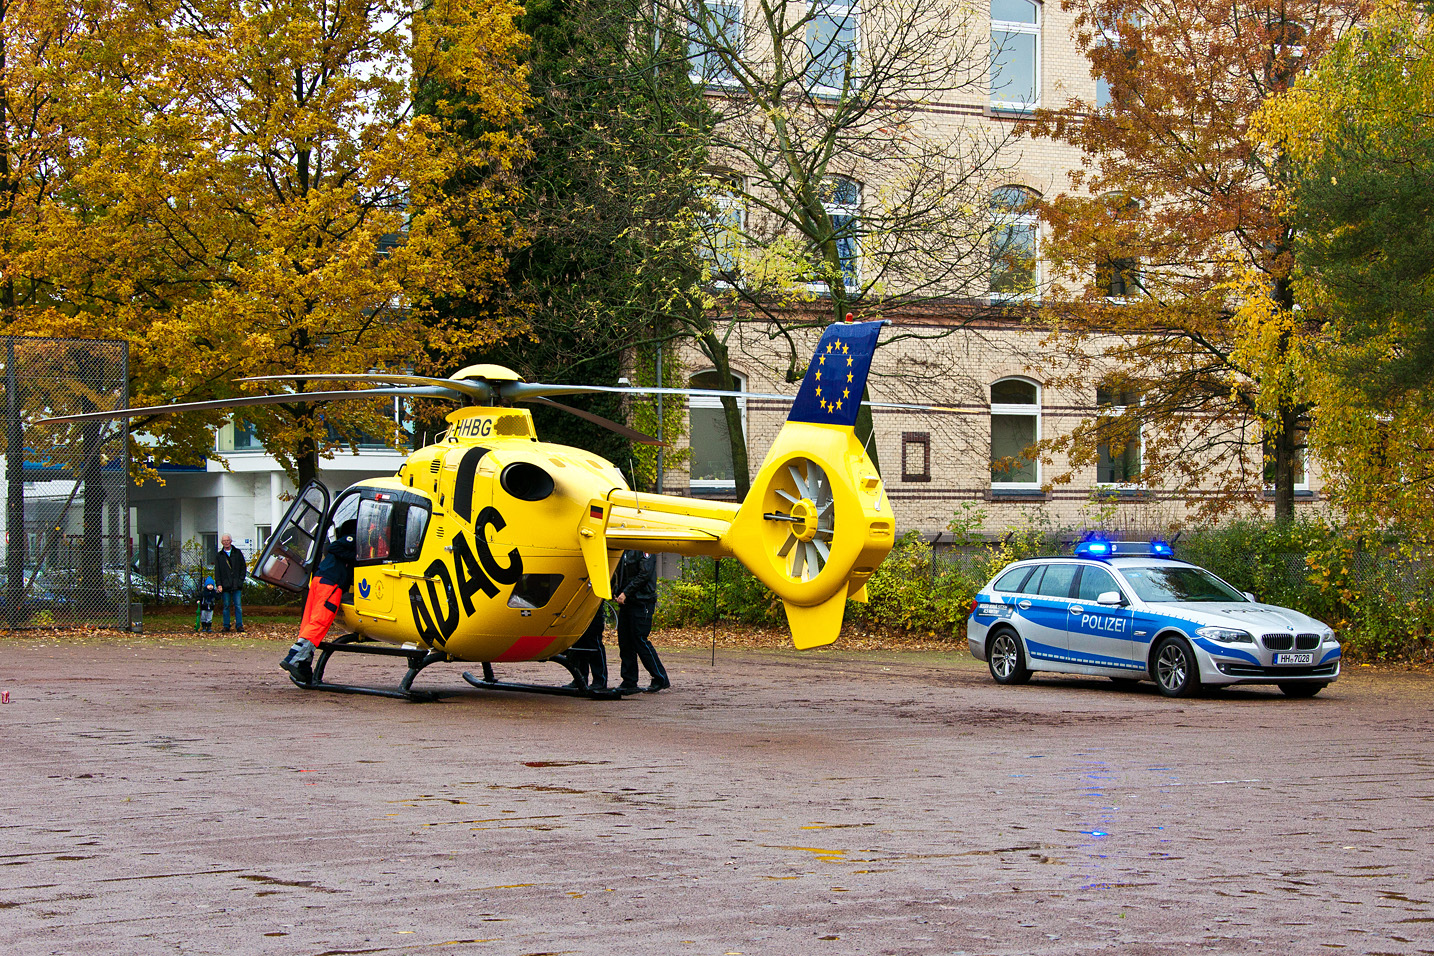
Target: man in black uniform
x=636, y=596
x=590, y=657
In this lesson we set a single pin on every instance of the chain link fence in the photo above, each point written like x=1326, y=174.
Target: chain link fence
x=66, y=543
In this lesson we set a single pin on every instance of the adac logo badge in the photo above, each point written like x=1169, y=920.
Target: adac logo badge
x=363, y=588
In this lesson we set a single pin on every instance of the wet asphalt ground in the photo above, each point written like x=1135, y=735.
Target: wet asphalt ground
x=163, y=797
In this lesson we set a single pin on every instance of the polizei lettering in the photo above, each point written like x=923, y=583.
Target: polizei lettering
x=1101, y=622
x=475, y=569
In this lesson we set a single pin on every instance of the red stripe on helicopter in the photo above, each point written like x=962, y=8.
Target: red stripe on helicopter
x=525, y=648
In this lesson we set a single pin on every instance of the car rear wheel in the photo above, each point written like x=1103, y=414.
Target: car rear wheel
x=1301, y=689
x=1006, y=659
x=1176, y=673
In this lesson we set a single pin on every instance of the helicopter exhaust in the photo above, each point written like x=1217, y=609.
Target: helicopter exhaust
x=815, y=524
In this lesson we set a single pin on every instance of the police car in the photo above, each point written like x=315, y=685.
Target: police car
x=1130, y=611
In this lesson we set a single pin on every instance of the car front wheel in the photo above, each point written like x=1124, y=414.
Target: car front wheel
x=1176, y=673
x=1006, y=659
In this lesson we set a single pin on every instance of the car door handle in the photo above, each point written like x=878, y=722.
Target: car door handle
x=1077, y=609
x=1024, y=605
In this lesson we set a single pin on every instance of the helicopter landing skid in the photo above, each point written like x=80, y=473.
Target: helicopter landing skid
x=489, y=682
x=418, y=659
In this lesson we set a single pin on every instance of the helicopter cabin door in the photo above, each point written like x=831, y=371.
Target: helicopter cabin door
x=293, y=549
x=388, y=532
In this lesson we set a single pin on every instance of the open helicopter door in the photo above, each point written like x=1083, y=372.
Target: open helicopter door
x=288, y=559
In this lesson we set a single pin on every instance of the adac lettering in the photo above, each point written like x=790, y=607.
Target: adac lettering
x=474, y=569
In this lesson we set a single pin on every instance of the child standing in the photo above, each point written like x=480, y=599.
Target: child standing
x=204, y=614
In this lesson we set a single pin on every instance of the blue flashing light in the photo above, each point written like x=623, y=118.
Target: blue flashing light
x=1098, y=548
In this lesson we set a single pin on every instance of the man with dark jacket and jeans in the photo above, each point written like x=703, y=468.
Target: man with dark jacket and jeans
x=229, y=572
x=636, y=596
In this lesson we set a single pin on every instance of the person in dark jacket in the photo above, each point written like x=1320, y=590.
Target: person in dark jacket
x=334, y=576
x=636, y=597
x=590, y=657
x=229, y=573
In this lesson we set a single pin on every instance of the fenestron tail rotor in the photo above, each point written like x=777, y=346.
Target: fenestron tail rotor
x=810, y=517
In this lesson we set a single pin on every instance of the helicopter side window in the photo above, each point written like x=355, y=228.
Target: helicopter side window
x=345, y=509
x=414, y=520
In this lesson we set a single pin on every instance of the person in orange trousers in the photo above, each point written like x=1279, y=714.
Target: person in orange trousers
x=326, y=593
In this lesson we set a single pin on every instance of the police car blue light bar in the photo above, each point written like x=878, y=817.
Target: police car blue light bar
x=1100, y=548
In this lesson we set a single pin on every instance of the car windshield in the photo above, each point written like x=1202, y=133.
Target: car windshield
x=1163, y=585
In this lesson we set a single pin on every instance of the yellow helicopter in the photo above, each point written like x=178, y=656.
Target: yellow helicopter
x=492, y=546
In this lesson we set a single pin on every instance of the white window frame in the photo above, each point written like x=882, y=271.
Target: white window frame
x=838, y=11
x=710, y=402
x=1115, y=411
x=1021, y=28
x=1002, y=218
x=700, y=58
x=1028, y=411
x=852, y=210
x=731, y=212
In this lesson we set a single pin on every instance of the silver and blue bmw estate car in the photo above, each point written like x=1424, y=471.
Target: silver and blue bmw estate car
x=1130, y=611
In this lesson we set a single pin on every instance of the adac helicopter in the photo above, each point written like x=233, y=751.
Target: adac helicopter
x=492, y=546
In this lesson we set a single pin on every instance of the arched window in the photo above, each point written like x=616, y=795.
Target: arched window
x=1015, y=55
x=1015, y=243
x=711, y=465
x=1015, y=429
x=841, y=198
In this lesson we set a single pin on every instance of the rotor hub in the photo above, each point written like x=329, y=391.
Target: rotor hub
x=804, y=519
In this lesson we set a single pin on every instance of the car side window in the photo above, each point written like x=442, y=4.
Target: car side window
x=1058, y=580
x=1014, y=580
x=1094, y=582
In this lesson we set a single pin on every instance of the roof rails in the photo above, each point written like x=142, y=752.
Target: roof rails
x=1094, y=547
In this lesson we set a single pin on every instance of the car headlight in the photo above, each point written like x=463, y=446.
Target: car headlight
x=1225, y=635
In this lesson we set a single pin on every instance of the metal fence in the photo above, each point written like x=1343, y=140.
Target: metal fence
x=66, y=541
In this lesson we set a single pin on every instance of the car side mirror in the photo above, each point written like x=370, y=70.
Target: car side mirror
x=1111, y=599
x=1250, y=597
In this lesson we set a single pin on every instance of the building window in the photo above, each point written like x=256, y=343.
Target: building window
x=1119, y=460
x=1302, y=480
x=711, y=465
x=841, y=198
x=1015, y=55
x=1015, y=430
x=722, y=229
x=261, y=535
x=713, y=28
x=1015, y=247
x=1118, y=278
x=832, y=39
x=915, y=456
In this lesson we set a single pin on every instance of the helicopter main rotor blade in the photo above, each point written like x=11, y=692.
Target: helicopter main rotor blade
x=628, y=433
x=480, y=392
x=525, y=391
x=278, y=399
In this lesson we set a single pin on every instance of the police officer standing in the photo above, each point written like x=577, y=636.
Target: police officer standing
x=636, y=596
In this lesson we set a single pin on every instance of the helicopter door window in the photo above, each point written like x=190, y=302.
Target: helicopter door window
x=534, y=590
x=375, y=524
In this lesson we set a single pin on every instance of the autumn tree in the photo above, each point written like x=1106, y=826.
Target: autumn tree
x=250, y=191
x=605, y=212
x=1357, y=130
x=1175, y=245
x=837, y=192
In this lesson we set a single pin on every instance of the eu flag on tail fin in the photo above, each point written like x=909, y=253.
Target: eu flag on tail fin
x=831, y=392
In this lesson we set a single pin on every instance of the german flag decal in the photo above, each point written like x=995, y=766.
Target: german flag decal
x=596, y=511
